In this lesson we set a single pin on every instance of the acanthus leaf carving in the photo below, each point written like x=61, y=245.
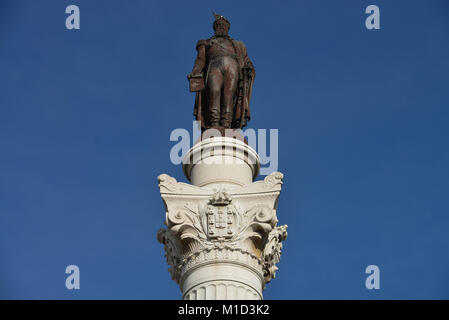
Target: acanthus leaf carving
x=272, y=251
x=172, y=252
x=273, y=179
x=203, y=224
x=167, y=182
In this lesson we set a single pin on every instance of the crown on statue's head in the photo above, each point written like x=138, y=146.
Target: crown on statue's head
x=220, y=17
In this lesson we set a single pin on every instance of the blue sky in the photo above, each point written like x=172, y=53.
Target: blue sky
x=85, y=119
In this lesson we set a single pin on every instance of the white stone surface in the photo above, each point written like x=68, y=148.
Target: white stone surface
x=222, y=240
x=222, y=280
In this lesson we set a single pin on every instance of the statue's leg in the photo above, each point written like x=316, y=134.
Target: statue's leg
x=214, y=84
x=230, y=81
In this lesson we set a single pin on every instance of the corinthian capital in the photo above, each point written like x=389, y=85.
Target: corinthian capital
x=236, y=226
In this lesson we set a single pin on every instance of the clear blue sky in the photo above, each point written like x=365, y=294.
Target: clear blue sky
x=85, y=119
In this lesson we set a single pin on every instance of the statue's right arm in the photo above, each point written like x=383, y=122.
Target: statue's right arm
x=200, y=60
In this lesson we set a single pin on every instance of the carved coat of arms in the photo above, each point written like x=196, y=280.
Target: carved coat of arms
x=220, y=217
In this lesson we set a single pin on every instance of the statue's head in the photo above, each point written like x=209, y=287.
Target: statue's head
x=221, y=25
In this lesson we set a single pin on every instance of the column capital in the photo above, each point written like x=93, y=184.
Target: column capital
x=226, y=228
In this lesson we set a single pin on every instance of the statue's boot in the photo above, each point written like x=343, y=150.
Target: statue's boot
x=214, y=113
x=226, y=122
x=226, y=116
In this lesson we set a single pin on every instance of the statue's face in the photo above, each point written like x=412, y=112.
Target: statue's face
x=221, y=28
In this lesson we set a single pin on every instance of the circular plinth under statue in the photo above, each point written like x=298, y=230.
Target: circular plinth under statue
x=221, y=160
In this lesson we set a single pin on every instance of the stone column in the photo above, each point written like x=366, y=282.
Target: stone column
x=222, y=240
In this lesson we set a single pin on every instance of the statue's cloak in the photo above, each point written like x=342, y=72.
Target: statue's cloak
x=243, y=93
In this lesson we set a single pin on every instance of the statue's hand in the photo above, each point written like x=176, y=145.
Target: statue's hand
x=194, y=74
x=249, y=65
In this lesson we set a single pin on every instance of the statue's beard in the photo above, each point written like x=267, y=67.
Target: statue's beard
x=221, y=32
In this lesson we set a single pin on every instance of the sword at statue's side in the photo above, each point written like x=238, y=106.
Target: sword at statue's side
x=246, y=94
x=245, y=97
x=251, y=86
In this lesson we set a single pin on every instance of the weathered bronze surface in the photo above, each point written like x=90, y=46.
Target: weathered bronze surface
x=222, y=77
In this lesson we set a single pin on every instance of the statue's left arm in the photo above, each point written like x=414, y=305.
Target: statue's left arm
x=200, y=60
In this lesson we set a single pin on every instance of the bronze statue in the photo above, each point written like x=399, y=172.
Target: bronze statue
x=222, y=77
